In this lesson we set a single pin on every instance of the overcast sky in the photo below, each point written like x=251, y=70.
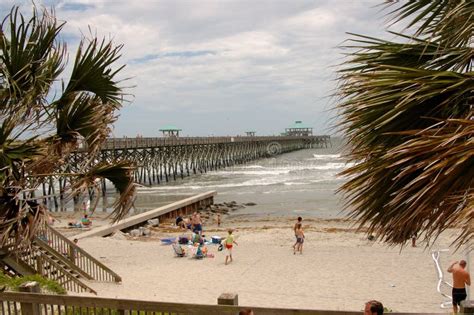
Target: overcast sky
x=222, y=67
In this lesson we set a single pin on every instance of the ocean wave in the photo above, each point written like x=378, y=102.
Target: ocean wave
x=294, y=183
x=253, y=166
x=325, y=157
x=252, y=182
x=327, y=166
x=257, y=173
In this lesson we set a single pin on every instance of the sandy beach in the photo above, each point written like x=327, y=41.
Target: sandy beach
x=338, y=270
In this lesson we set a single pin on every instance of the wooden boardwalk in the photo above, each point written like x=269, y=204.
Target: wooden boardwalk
x=172, y=210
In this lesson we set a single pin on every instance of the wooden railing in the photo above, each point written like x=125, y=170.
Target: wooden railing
x=47, y=267
x=123, y=143
x=80, y=258
x=50, y=269
x=33, y=303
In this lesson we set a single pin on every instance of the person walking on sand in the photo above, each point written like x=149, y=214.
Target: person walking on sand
x=461, y=277
x=300, y=219
x=299, y=238
x=229, y=242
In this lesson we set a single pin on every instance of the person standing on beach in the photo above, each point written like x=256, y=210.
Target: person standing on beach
x=461, y=277
x=373, y=307
x=197, y=223
x=299, y=238
x=229, y=242
x=300, y=221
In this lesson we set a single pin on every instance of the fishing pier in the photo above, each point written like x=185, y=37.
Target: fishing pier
x=162, y=159
x=165, y=159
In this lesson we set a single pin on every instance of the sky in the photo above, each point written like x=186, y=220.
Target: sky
x=221, y=67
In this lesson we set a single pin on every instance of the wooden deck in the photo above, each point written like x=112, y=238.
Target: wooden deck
x=172, y=210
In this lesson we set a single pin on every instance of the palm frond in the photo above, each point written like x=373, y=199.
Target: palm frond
x=31, y=61
x=449, y=22
x=92, y=73
x=31, y=150
x=15, y=155
x=407, y=112
x=394, y=99
x=88, y=117
x=372, y=52
x=424, y=184
x=120, y=174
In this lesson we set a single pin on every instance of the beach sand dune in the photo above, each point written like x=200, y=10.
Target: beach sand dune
x=339, y=268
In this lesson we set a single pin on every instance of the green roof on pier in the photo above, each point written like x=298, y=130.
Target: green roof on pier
x=299, y=125
x=170, y=128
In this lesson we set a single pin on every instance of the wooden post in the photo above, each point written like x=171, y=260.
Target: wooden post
x=228, y=299
x=467, y=307
x=39, y=265
x=30, y=308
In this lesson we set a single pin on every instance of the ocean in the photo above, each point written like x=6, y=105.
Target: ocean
x=297, y=183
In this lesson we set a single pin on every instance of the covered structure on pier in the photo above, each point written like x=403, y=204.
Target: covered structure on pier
x=299, y=129
x=170, y=131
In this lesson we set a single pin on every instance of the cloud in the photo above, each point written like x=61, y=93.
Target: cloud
x=222, y=67
x=75, y=6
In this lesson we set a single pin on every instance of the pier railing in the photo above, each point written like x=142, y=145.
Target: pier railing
x=33, y=303
x=149, y=142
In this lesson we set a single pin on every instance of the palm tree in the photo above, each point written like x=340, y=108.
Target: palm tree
x=407, y=111
x=40, y=126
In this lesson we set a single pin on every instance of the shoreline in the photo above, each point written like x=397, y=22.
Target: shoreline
x=339, y=269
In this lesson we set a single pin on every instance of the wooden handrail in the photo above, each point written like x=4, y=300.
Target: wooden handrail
x=82, y=259
x=43, y=265
x=59, y=304
x=61, y=256
x=60, y=272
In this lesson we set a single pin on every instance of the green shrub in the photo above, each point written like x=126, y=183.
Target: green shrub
x=46, y=285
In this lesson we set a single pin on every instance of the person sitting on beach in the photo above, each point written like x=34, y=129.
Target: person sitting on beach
x=229, y=242
x=299, y=238
x=189, y=223
x=197, y=239
x=373, y=307
x=180, y=223
x=196, y=222
x=85, y=221
x=461, y=278
x=199, y=252
x=300, y=219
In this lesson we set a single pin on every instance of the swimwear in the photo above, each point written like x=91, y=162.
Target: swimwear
x=197, y=228
x=229, y=241
x=459, y=294
x=300, y=240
